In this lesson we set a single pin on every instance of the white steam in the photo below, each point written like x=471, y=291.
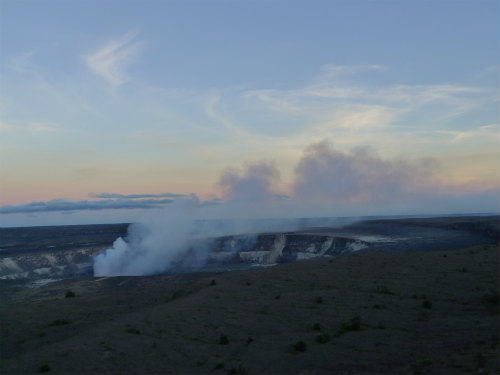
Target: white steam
x=327, y=183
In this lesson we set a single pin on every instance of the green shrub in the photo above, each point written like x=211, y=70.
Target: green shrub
x=213, y=282
x=319, y=300
x=70, y=294
x=353, y=325
x=423, y=316
x=237, y=370
x=223, y=340
x=322, y=339
x=132, y=330
x=426, y=304
x=316, y=327
x=300, y=346
x=382, y=289
x=219, y=365
x=59, y=322
x=491, y=298
x=44, y=368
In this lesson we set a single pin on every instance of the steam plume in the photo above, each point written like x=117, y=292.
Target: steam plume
x=327, y=182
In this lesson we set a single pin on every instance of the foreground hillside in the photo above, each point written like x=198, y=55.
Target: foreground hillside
x=419, y=312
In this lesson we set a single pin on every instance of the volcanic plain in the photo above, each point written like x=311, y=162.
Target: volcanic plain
x=374, y=312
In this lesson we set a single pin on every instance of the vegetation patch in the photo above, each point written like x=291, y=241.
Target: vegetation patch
x=353, y=325
x=223, y=340
x=299, y=347
x=70, y=294
x=133, y=331
x=426, y=304
x=219, y=365
x=44, y=368
x=382, y=289
x=237, y=370
x=322, y=339
x=316, y=327
x=59, y=322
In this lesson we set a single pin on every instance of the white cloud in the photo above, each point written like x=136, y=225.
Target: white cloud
x=110, y=61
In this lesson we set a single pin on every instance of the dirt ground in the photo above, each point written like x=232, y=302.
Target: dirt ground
x=372, y=313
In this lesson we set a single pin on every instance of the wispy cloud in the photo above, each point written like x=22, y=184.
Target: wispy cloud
x=23, y=63
x=111, y=60
x=490, y=131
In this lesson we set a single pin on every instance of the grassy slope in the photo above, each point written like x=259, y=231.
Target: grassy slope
x=166, y=324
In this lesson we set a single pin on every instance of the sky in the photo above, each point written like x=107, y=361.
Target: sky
x=113, y=109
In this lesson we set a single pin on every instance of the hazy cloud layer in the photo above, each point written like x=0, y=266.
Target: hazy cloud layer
x=327, y=182
x=135, y=196
x=62, y=205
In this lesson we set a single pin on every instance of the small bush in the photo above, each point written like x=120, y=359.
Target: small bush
x=426, y=304
x=480, y=360
x=322, y=339
x=491, y=298
x=70, y=294
x=249, y=341
x=381, y=326
x=133, y=331
x=300, y=346
x=237, y=370
x=319, y=300
x=376, y=306
x=219, y=365
x=382, y=289
x=44, y=368
x=353, y=325
x=464, y=269
x=59, y=322
x=213, y=282
x=223, y=340
x=316, y=327
x=423, y=316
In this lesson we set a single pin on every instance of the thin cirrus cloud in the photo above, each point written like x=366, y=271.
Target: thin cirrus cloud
x=110, y=61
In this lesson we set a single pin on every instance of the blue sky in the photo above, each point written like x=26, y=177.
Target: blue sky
x=155, y=97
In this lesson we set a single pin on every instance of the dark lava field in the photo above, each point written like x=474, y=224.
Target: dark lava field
x=409, y=296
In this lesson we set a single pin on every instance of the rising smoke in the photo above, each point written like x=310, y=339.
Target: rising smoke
x=327, y=183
